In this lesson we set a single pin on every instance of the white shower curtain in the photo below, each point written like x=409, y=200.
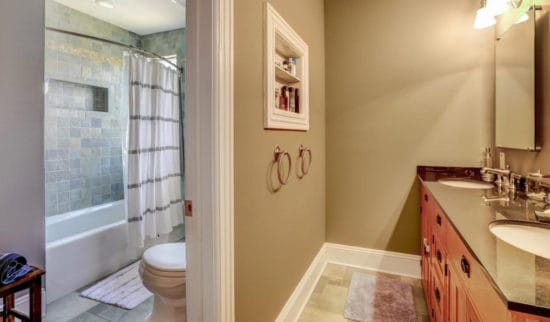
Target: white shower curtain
x=154, y=167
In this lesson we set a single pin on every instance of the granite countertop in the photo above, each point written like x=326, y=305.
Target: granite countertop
x=521, y=278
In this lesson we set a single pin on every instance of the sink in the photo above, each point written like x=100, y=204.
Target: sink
x=465, y=183
x=530, y=237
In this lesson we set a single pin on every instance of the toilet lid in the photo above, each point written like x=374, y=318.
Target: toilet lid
x=167, y=257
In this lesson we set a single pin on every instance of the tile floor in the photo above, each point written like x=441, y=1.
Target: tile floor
x=74, y=308
x=328, y=300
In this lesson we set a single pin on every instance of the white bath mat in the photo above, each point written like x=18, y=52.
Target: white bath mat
x=379, y=299
x=123, y=288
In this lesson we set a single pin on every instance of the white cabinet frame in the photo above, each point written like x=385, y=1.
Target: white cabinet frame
x=279, y=35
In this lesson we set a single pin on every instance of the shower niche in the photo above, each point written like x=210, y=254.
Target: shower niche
x=287, y=75
x=79, y=96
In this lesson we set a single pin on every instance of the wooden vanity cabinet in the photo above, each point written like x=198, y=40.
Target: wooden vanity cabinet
x=523, y=317
x=425, y=243
x=455, y=286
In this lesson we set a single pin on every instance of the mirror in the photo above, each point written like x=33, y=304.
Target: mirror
x=515, y=86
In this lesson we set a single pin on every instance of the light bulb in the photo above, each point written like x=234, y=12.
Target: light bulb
x=484, y=19
x=497, y=7
x=524, y=17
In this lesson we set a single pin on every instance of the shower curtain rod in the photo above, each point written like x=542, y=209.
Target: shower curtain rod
x=72, y=33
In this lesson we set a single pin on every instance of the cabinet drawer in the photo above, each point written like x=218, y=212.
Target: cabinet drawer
x=476, y=283
x=439, y=225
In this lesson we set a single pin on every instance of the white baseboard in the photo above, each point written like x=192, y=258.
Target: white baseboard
x=365, y=258
x=373, y=259
x=294, y=306
x=22, y=302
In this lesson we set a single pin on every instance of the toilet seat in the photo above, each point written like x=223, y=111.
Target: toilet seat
x=170, y=257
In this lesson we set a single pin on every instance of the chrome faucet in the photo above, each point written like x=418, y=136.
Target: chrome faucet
x=501, y=172
x=502, y=176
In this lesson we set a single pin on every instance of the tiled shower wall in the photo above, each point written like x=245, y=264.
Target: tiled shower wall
x=166, y=43
x=83, y=145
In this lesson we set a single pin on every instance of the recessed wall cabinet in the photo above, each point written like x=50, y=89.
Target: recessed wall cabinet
x=455, y=286
x=286, y=75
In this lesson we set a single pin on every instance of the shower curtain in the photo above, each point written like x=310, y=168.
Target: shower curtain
x=154, y=167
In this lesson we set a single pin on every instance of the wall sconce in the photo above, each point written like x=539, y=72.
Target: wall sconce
x=489, y=9
x=484, y=18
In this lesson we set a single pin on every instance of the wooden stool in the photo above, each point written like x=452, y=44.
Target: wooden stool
x=31, y=281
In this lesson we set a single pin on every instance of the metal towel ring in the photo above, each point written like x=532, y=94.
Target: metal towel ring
x=278, y=154
x=301, y=155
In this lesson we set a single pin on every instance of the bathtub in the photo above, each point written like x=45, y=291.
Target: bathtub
x=85, y=245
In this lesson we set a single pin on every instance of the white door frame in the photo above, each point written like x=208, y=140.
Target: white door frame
x=209, y=161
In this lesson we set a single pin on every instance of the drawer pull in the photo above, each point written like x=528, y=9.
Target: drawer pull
x=438, y=219
x=465, y=266
x=425, y=197
x=437, y=295
x=439, y=256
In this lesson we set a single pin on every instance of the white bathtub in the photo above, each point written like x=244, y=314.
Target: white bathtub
x=84, y=245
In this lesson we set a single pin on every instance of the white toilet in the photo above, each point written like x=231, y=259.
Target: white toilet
x=162, y=271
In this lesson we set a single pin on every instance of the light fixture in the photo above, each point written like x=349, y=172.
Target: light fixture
x=105, y=4
x=524, y=17
x=484, y=18
x=497, y=7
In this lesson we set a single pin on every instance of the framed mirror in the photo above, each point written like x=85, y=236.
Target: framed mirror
x=515, y=97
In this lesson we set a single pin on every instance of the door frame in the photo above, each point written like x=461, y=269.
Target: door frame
x=209, y=173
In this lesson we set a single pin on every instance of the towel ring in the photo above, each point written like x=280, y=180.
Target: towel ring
x=301, y=155
x=278, y=154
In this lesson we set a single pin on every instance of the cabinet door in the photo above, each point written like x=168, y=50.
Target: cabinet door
x=456, y=297
x=471, y=313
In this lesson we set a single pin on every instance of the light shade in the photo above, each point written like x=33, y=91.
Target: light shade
x=105, y=3
x=524, y=17
x=497, y=7
x=484, y=19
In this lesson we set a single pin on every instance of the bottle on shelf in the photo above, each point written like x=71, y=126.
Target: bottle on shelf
x=286, y=65
x=277, y=97
x=291, y=100
x=283, y=102
x=296, y=101
x=292, y=66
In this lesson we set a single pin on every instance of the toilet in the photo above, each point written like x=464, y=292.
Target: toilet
x=162, y=271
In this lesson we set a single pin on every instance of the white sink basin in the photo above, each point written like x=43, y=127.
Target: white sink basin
x=532, y=238
x=467, y=184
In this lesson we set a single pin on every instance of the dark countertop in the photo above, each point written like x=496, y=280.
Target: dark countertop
x=522, y=279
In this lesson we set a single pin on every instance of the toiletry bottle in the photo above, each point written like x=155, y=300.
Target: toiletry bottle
x=277, y=97
x=296, y=101
x=284, y=99
x=293, y=66
x=285, y=65
x=291, y=100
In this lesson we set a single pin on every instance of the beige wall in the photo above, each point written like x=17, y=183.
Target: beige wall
x=277, y=235
x=408, y=83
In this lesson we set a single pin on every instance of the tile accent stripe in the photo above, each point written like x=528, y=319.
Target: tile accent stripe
x=153, y=118
x=150, y=86
x=160, y=179
x=157, y=209
x=161, y=148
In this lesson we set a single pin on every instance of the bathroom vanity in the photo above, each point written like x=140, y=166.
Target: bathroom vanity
x=468, y=274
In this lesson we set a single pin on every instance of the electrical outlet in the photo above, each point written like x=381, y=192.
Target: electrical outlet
x=502, y=160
